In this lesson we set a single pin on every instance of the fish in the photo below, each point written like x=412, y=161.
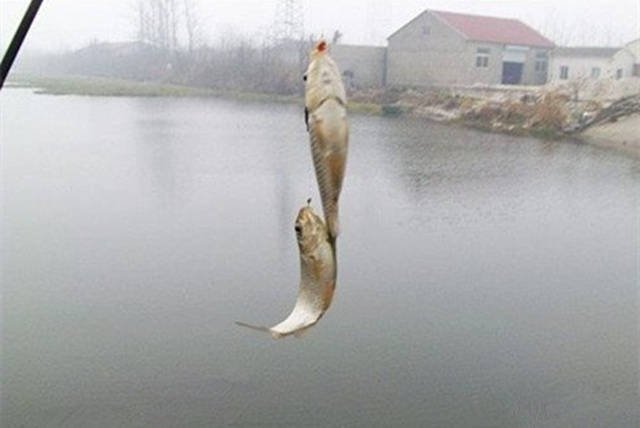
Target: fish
x=317, y=277
x=326, y=120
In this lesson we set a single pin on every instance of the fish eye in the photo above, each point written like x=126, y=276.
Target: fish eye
x=304, y=77
x=298, y=229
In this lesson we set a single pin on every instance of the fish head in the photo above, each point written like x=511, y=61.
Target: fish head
x=310, y=230
x=322, y=78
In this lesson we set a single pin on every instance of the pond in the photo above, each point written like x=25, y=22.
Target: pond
x=484, y=280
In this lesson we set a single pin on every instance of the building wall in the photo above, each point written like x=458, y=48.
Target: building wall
x=487, y=75
x=634, y=48
x=361, y=66
x=579, y=67
x=530, y=75
x=623, y=60
x=427, y=52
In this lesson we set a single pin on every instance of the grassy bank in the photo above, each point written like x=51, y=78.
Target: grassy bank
x=111, y=87
x=101, y=87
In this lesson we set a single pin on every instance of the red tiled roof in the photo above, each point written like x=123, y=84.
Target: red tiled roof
x=491, y=29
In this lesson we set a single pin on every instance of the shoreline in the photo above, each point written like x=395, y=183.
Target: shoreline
x=508, y=118
x=623, y=135
x=113, y=87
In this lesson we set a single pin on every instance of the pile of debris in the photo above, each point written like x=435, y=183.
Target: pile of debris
x=623, y=107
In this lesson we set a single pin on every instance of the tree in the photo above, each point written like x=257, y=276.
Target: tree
x=191, y=23
x=157, y=22
x=337, y=36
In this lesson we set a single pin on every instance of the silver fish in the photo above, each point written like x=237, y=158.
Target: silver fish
x=326, y=118
x=317, y=277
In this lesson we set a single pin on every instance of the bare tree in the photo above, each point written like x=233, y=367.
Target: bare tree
x=157, y=22
x=337, y=36
x=192, y=25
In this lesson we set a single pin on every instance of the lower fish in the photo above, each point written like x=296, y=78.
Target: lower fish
x=317, y=277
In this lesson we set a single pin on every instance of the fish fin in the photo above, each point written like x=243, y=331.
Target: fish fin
x=299, y=334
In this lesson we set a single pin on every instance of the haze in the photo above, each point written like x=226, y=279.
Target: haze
x=70, y=24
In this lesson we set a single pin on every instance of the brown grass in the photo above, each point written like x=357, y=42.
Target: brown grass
x=550, y=111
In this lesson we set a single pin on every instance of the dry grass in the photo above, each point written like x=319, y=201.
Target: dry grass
x=550, y=111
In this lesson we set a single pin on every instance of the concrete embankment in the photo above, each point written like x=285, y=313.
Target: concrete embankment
x=623, y=134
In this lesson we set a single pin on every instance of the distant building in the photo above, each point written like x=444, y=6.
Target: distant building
x=444, y=48
x=570, y=63
x=627, y=60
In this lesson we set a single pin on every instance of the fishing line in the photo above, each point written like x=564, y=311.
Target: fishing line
x=18, y=38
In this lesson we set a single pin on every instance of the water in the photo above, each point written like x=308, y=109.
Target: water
x=484, y=280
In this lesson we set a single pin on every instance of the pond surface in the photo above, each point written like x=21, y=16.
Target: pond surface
x=484, y=280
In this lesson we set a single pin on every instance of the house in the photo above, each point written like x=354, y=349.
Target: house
x=570, y=63
x=626, y=61
x=445, y=48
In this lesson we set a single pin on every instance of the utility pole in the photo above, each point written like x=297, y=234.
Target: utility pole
x=289, y=21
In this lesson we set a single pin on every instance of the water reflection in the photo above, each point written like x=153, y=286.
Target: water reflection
x=155, y=141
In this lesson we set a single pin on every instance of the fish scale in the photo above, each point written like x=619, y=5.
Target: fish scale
x=327, y=188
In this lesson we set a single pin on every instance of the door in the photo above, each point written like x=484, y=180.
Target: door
x=512, y=73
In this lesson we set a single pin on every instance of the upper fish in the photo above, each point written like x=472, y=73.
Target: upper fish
x=326, y=118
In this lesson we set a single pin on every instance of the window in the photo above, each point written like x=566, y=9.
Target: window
x=595, y=72
x=541, y=66
x=541, y=62
x=619, y=74
x=564, y=72
x=482, y=57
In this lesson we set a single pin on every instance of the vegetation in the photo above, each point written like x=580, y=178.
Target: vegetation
x=110, y=87
x=101, y=86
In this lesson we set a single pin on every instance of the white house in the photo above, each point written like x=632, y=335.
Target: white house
x=569, y=63
x=626, y=61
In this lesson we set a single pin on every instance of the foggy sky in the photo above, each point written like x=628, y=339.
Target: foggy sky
x=70, y=24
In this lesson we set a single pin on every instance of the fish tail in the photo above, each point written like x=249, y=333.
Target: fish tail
x=254, y=327
x=299, y=334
